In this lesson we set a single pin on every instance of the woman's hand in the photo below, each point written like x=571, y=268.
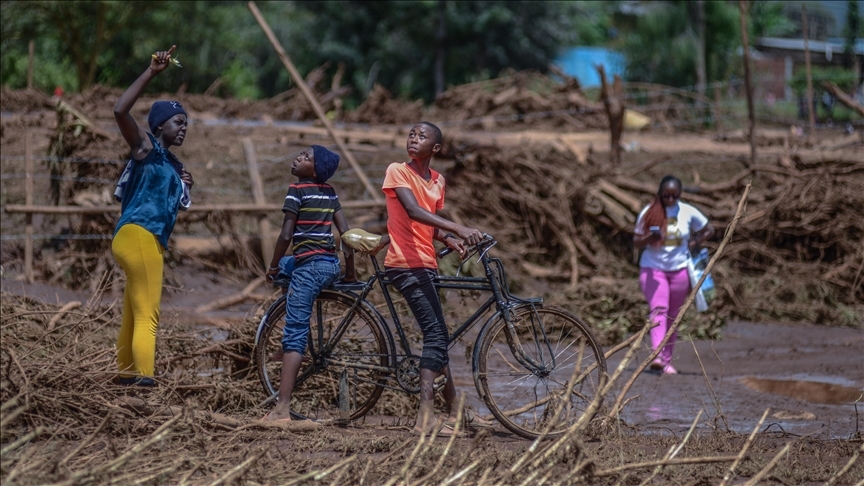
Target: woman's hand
x=160, y=62
x=186, y=177
x=271, y=273
x=700, y=237
x=646, y=240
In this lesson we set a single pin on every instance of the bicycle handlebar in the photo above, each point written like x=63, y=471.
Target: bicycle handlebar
x=447, y=250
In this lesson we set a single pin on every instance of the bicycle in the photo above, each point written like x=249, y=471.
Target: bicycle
x=524, y=357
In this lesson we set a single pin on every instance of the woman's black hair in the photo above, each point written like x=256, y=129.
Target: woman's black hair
x=656, y=214
x=667, y=179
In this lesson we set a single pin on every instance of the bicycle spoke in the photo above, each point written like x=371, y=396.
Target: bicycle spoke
x=529, y=401
x=342, y=337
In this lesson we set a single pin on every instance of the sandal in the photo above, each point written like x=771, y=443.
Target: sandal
x=445, y=429
x=474, y=421
x=448, y=429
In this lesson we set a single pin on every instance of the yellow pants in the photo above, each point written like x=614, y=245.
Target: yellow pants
x=140, y=256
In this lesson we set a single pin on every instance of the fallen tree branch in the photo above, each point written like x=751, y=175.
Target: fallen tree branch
x=231, y=299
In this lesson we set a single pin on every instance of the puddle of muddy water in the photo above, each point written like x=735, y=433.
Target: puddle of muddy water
x=808, y=391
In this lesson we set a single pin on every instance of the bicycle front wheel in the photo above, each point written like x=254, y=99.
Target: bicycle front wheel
x=345, y=364
x=528, y=394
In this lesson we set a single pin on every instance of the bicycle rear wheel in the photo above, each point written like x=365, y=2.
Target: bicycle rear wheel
x=346, y=359
x=527, y=401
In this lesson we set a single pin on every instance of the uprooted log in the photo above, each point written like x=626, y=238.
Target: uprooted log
x=843, y=97
x=613, y=101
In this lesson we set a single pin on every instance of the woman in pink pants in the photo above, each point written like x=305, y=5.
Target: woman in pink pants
x=667, y=230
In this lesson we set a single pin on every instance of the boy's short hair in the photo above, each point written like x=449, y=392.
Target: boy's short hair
x=436, y=132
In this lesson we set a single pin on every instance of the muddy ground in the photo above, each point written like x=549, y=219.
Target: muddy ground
x=808, y=377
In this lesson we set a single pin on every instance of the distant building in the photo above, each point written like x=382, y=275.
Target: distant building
x=778, y=58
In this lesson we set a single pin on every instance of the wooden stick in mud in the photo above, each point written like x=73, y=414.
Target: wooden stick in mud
x=613, y=101
x=731, y=473
x=258, y=196
x=28, y=200
x=231, y=299
x=61, y=312
x=374, y=192
x=613, y=412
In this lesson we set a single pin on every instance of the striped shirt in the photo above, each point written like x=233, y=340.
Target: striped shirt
x=314, y=204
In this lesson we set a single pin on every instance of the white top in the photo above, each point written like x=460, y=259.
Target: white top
x=682, y=219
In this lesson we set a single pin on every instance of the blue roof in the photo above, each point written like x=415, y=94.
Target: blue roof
x=579, y=62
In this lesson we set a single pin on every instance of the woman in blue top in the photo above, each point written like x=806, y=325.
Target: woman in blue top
x=151, y=199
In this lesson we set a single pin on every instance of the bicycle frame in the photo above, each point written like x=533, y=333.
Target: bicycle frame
x=500, y=297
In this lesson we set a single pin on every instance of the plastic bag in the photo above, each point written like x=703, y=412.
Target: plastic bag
x=695, y=268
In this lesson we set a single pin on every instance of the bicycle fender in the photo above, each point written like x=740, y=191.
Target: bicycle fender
x=475, y=353
x=266, y=315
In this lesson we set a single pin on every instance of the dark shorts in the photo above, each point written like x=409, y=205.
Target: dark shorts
x=416, y=285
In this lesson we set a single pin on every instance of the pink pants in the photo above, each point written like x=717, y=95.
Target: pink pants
x=665, y=293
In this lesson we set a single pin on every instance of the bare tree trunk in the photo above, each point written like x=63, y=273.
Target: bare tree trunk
x=440, y=50
x=613, y=101
x=751, y=124
x=30, y=55
x=701, y=69
x=811, y=115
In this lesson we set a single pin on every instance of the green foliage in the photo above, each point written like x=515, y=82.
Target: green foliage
x=844, y=78
x=661, y=48
x=393, y=43
x=661, y=44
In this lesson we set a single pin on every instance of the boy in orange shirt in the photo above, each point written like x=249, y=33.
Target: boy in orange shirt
x=415, y=195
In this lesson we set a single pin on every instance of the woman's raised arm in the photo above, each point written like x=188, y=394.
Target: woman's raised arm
x=134, y=135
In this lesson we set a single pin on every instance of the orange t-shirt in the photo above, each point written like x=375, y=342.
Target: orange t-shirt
x=411, y=242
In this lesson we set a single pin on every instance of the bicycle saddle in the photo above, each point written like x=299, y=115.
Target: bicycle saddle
x=361, y=240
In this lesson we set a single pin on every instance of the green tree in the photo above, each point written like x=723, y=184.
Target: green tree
x=84, y=29
x=394, y=43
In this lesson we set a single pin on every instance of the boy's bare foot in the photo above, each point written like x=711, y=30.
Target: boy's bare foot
x=278, y=414
x=426, y=419
x=431, y=426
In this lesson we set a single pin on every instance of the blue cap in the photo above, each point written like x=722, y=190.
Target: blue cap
x=326, y=163
x=162, y=111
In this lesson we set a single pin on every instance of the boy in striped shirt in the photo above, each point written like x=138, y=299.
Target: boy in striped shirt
x=311, y=209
